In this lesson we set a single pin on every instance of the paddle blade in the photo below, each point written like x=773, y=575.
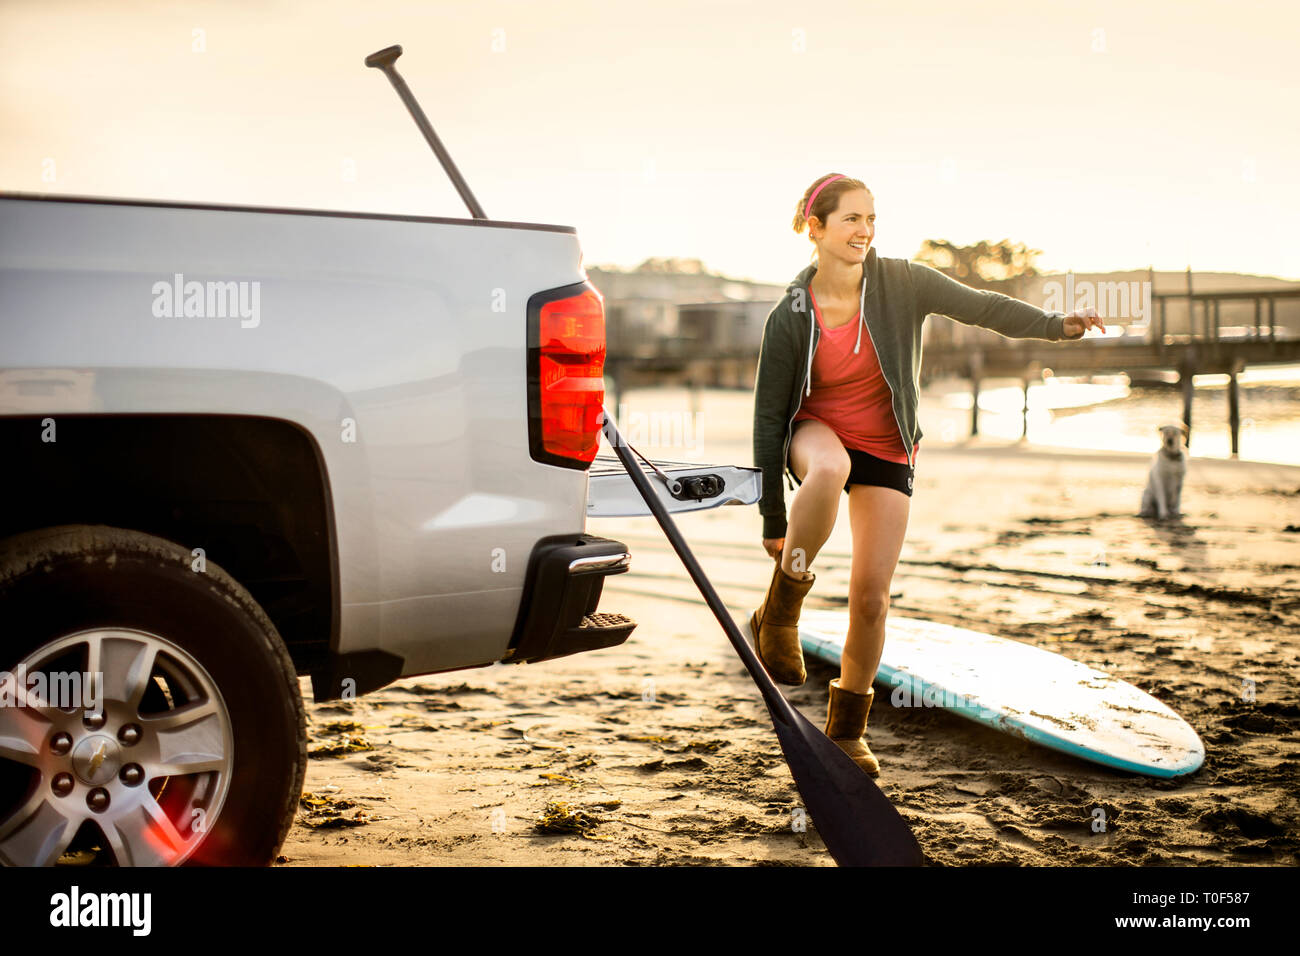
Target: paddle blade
x=856, y=821
x=858, y=824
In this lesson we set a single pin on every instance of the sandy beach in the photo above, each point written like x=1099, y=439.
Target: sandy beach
x=660, y=751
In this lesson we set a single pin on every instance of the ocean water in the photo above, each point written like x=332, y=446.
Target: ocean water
x=1110, y=414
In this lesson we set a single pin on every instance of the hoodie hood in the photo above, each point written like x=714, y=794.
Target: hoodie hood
x=870, y=276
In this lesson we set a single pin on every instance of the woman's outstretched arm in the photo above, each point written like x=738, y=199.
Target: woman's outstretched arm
x=1013, y=318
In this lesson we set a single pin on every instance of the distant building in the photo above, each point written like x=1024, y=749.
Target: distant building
x=677, y=307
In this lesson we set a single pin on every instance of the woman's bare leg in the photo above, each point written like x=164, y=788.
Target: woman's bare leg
x=879, y=520
x=818, y=459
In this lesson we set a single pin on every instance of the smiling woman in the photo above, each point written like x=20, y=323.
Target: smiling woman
x=835, y=407
x=822, y=202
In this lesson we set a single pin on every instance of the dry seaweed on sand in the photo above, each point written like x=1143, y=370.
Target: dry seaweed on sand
x=341, y=748
x=559, y=817
x=324, y=812
x=342, y=727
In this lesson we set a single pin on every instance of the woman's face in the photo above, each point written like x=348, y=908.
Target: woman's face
x=849, y=230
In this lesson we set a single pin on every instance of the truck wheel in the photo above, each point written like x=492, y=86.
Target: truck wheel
x=150, y=714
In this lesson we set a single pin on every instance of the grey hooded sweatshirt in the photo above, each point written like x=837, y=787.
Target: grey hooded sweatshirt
x=896, y=296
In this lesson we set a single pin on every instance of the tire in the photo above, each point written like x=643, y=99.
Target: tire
x=198, y=760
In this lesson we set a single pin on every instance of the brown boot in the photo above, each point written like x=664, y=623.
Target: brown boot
x=775, y=627
x=846, y=719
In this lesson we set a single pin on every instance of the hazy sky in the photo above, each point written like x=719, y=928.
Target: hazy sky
x=1108, y=134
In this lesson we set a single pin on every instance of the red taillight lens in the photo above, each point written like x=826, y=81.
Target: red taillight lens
x=570, y=382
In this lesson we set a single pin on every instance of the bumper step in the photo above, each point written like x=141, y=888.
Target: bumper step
x=607, y=622
x=598, y=630
x=558, y=612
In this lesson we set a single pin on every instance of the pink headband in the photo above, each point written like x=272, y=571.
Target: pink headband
x=808, y=208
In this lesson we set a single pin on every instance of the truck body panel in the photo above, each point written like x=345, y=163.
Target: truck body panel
x=397, y=344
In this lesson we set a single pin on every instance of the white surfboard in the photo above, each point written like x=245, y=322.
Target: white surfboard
x=1019, y=689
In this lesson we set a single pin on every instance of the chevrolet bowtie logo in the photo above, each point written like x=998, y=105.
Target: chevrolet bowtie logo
x=97, y=758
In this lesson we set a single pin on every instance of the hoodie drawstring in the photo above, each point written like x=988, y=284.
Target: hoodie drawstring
x=862, y=322
x=862, y=315
x=807, y=378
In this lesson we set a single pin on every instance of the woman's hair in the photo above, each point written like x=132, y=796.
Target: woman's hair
x=827, y=201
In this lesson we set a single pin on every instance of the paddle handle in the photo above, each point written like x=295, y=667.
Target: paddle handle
x=384, y=60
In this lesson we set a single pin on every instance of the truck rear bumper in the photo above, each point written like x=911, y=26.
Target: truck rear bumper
x=562, y=587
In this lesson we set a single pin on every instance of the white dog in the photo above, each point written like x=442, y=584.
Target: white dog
x=1164, y=492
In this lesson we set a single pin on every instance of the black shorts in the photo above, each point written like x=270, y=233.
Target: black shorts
x=866, y=469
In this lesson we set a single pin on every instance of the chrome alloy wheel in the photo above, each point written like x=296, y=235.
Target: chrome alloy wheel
x=141, y=778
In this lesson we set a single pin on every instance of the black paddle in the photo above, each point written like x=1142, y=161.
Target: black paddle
x=383, y=60
x=858, y=824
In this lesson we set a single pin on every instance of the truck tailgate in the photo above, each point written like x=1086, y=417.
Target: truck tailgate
x=611, y=493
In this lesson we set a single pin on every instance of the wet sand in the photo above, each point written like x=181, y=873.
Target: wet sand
x=660, y=751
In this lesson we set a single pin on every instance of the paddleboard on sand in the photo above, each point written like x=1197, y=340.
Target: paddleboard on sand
x=1018, y=689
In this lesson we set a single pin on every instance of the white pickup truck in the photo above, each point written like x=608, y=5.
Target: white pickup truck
x=241, y=445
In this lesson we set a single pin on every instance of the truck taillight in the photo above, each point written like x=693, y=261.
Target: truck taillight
x=566, y=374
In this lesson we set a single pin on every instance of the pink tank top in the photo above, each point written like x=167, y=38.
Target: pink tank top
x=849, y=393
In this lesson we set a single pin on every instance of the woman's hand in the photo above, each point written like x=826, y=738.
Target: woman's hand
x=1080, y=321
x=773, y=547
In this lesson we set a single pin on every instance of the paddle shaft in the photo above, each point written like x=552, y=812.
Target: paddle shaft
x=776, y=702
x=383, y=60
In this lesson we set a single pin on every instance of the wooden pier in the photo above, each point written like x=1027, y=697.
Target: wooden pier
x=1202, y=345
x=1199, y=344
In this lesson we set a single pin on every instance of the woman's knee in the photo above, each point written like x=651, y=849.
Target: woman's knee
x=831, y=466
x=816, y=453
x=869, y=604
